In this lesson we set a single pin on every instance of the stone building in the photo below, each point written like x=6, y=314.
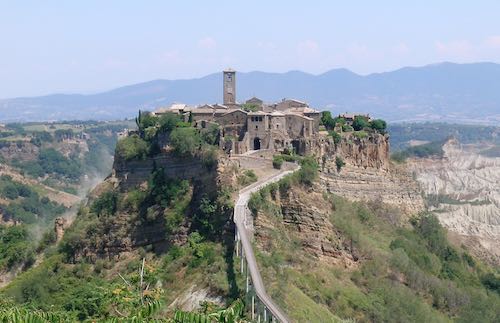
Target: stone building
x=287, y=124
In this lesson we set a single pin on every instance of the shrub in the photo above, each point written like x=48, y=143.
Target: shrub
x=277, y=161
x=308, y=172
x=248, y=177
x=360, y=122
x=132, y=147
x=347, y=128
x=339, y=163
x=106, y=204
x=185, y=141
x=168, y=121
x=379, y=125
x=360, y=134
x=336, y=137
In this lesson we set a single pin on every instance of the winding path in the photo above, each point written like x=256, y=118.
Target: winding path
x=240, y=219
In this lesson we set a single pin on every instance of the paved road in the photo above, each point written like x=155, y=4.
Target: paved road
x=240, y=211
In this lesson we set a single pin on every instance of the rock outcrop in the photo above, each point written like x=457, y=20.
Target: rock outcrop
x=368, y=173
x=305, y=214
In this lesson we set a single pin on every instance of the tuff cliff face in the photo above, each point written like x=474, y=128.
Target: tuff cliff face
x=129, y=229
x=306, y=215
x=464, y=192
x=368, y=173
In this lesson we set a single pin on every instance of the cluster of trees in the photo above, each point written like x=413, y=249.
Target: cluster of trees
x=185, y=140
x=15, y=247
x=421, y=151
x=305, y=176
x=52, y=162
x=359, y=123
x=26, y=205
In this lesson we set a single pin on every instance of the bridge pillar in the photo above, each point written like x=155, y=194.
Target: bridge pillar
x=253, y=307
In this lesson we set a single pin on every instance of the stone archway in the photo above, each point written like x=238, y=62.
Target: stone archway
x=256, y=143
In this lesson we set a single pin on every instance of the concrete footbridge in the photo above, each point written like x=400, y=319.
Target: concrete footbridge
x=262, y=306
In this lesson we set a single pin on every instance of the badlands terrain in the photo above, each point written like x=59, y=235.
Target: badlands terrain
x=463, y=189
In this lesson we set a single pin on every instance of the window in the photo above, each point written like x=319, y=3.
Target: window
x=277, y=126
x=256, y=127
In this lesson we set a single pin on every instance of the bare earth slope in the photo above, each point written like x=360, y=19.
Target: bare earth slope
x=467, y=187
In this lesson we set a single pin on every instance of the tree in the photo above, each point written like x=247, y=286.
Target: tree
x=379, y=125
x=327, y=120
x=132, y=147
x=169, y=121
x=185, y=141
x=360, y=122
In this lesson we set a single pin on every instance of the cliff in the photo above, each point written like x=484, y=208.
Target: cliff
x=368, y=173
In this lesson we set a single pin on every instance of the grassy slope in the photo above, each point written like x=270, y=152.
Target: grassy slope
x=403, y=274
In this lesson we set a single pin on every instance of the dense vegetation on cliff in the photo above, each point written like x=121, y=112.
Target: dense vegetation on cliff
x=177, y=228
x=377, y=268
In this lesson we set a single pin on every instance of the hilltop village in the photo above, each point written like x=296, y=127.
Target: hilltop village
x=289, y=124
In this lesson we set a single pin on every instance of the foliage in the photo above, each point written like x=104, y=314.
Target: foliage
x=210, y=135
x=378, y=125
x=278, y=161
x=360, y=134
x=233, y=314
x=420, y=151
x=168, y=121
x=327, y=120
x=132, y=147
x=347, y=128
x=336, y=137
x=360, y=122
x=105, y=204
x=15, y=247
x=185, y=141
x=51, y=161
x=308, y=171
x=404, y=274
x=339, y=163
x=248, y=177
x=27, y=206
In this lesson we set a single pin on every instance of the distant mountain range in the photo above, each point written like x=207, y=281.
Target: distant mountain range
x=439, y=92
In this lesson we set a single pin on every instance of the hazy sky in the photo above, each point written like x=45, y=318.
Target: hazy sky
x=88, y=46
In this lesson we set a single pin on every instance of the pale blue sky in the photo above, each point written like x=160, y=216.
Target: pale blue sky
x=88, y=46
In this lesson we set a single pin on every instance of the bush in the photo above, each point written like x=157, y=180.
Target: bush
x=360, y=122
x=132, y=147
x=347, y=128
x=336, y=137
x=106, y=204
x=379, y=125
x=185, y=141
x=168, y=121
x=308, y=172
x=339, y=163
x=248, y=177
x=360, y=134
x=277, y=161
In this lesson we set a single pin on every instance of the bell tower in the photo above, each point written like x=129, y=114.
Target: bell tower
x=229, y=94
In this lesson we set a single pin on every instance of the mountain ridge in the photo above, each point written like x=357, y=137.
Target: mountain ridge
x=436, y=92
